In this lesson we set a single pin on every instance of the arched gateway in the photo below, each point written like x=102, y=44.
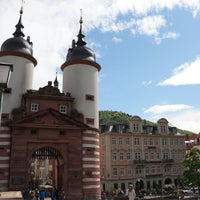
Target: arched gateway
x=51, y=148
x=45, y=168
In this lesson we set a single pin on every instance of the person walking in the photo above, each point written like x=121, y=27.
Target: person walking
x=130, y=192
x=32, y=195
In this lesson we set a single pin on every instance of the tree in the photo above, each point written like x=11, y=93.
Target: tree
x=191, y=174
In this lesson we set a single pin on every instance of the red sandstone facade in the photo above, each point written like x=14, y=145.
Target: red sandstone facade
x=46, y=127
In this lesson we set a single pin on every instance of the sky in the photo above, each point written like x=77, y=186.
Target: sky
x=149, y=51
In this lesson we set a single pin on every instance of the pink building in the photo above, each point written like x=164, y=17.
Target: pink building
x=148, y=156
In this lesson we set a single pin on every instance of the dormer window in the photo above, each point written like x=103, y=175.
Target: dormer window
x=34, y=107
x=63, y=109
x=163, y=129
x=135, y=128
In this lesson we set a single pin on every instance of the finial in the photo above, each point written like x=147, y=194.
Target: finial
x=22, y=6
x=56, y=83
x=81, y=20
x=18, y=32
x=80, y=41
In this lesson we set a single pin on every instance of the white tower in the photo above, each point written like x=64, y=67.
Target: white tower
x=80, y=78
x=19, y=52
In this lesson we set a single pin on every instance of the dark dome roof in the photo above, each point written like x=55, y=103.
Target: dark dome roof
x=17, y=44
x=81, y=53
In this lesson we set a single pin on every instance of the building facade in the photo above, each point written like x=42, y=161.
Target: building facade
x=148, y=156
x=47, y=136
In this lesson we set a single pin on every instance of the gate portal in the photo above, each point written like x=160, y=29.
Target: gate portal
x=45, y=168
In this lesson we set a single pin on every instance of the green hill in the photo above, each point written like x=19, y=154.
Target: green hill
x=116, y=117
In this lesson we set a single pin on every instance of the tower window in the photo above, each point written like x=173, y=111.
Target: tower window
x=90, y=121
x=63, y=109
x=7, y=90
x=89, y=97
x=34, y=107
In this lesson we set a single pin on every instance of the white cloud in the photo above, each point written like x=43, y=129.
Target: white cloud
x=182, y=116
x=147, y=83
x=116, y=40
x=169, y=35
x=185, y=74
x=150, y=25
x=161, y=109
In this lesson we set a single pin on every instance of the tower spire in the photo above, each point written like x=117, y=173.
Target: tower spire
x=80, y=36
x=18, y=32
x=56, y=83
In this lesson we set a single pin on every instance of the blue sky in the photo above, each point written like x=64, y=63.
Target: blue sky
x=149, y=51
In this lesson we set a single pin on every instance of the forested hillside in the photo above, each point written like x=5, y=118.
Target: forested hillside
x=107, y=117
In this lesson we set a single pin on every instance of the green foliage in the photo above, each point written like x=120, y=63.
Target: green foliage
x=107, y=117
x=115, y=117
x=185, y=132
x=191, y=174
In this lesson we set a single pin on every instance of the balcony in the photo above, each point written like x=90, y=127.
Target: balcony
x=140, y=162
x=143, y=162
x=168, y=161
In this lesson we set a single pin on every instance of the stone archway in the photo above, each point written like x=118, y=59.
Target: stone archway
x=45, y=167
x=168, y=181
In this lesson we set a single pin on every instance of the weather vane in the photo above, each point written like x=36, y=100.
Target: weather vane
x=81, y=20
x=22, y=5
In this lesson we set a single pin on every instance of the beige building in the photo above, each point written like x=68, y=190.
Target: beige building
x=148, y=156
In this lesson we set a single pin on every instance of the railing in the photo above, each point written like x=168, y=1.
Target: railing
x=142, y=162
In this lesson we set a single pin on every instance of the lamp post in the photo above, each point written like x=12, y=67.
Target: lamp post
x=5, y=72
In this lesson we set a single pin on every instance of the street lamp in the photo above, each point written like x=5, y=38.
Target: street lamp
x=5, y=71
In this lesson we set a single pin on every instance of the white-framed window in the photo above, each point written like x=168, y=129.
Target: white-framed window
x=136, y=141
x=114, y=156
x=63, y=109
x=153, y=169
x=114, y=171
x=137, y=155
x=152, y=155
x=147, y=170
x=34, y=107
x=128, y=156
x=163, y=129
x=135, y=127
x=114, y=141
x=150, y=142
x=146, y=155
x=138, y=171
x=120, y=141
x=121, y=171
x=121, y=156
x=127, y=141
x=129, y=171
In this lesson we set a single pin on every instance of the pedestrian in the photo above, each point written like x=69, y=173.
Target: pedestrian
x=130, y=192
x=181, y=194
x=32, y=195
x=42, y=194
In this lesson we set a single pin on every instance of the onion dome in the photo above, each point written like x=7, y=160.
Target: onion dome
x=18, y=43
x=79, y=51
